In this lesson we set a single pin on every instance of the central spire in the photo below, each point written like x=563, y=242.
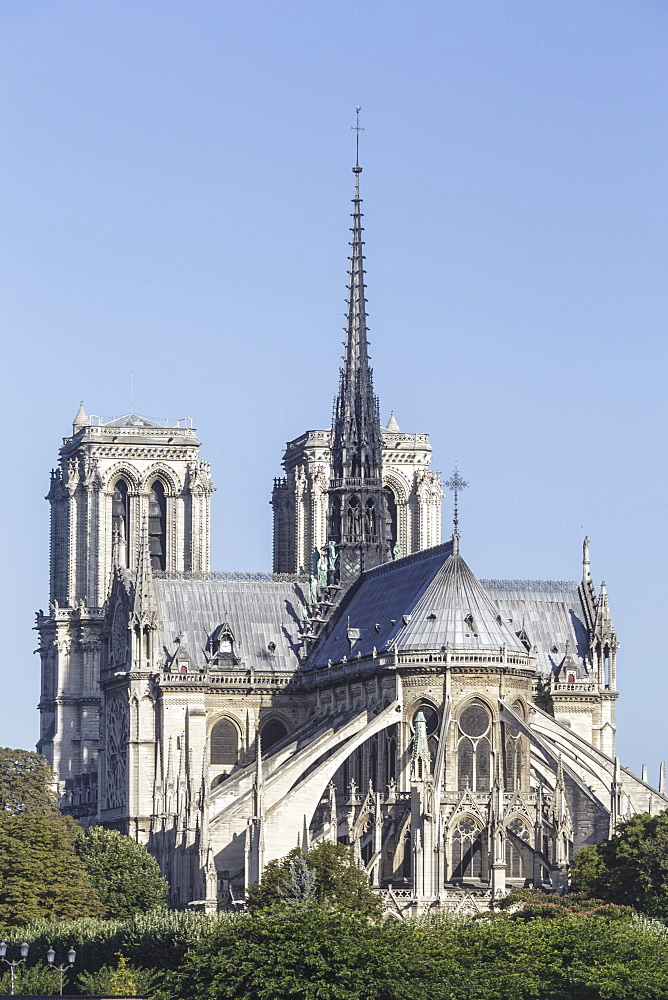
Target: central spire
x=356, y=438
x=358, y=512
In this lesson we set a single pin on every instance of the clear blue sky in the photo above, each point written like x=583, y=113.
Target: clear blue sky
x=175, y=179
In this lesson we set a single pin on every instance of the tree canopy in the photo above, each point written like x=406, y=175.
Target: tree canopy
x=126, y=877
x=40, y=874
x=325, y=874
x=315, y=952
x=629, y=869
x=26, y=784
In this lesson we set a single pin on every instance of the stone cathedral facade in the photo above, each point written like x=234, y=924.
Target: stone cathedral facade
x=457, y=733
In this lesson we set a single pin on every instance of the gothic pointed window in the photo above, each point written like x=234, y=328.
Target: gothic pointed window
x=513, y=758
x=513, y=752
x=157, y=517
x=353, y=518
x=335, y=518
x=224, y=743
x=482, y=765
x=120, y=520
x=271, y=732
x=518, y=852
x=466, y=849
x=391, y=754
x=474, y=748
x=465, y=764
x=407, y=864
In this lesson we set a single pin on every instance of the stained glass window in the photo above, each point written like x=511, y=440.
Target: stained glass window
x=224, y=743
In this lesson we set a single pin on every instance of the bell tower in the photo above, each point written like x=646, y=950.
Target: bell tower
x=116, y=480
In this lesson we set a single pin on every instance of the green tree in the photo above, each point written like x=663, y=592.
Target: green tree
x=314, y=952
x=26, y=784
x=33, y=980
x=629, y=869
x=307, y=952
x=40, y=874
x=527, y=904
x=123, y=979
x=127, y=878
x=338, y=881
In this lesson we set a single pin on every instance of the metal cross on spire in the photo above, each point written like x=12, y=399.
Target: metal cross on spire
x=456, y=484
x=357, y=128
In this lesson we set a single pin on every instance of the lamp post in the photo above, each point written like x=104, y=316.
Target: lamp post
x=62, y=969
x=13, y=965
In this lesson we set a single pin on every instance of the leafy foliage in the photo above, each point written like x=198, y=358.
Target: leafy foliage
x=528, y=904
x=26, y=784
x=631, y=868
x=120, y=980
x=314, y=952
x=337, y=881
x=321, y=952
x=40, y=875
x=126, y=877
x=35, y=980
x=305, y=951
x=159, y=939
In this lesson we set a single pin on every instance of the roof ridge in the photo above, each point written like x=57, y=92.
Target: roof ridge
x=529, y=584
x=432, y=553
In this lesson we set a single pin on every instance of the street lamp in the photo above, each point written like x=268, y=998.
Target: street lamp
x=13, y=965
x=62, y=969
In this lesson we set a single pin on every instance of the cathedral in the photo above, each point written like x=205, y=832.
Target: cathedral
x=457, y=733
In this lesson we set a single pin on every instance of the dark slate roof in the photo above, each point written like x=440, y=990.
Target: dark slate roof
x=258, y=612
x=456, y=611
x=550, y=612
x=376, y=604
x=430, y=582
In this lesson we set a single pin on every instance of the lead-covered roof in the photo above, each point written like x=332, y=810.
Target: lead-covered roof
x=433, y=599
x=259, y=613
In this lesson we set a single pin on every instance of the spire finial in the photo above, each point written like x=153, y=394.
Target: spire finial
x=357, y=128
x=456, y=484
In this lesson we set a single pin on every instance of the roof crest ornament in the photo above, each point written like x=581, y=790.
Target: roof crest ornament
x=456, y=484
x=586, y=564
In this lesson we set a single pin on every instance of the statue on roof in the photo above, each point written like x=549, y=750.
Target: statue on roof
x=332, y=555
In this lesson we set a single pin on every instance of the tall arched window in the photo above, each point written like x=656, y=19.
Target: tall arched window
x=335, y=518
x=271, y=732
x=224, y=743
x=157, y=517
x=474, y=748
x=354, y=517
x=391, y=754
x=467, y=849
x=120, y=520
x=519, y=858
